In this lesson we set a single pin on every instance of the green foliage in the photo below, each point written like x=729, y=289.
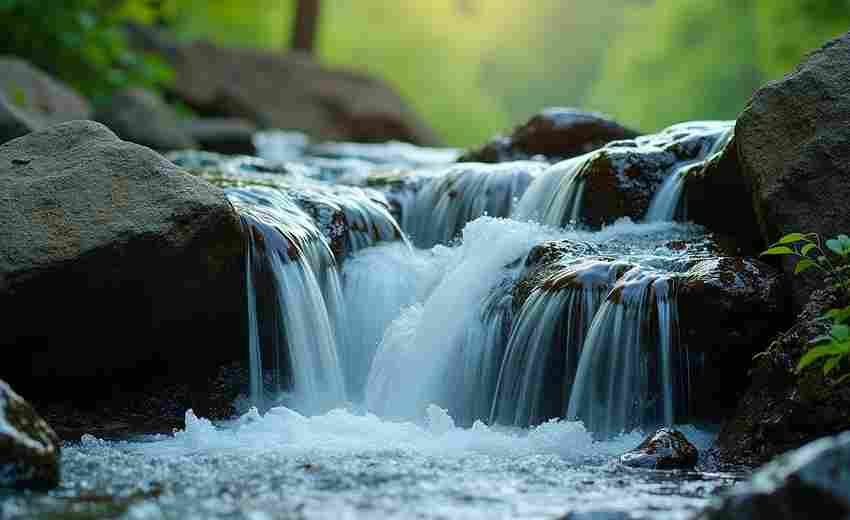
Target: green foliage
x=81, y=42
x=680, y=60
x=831, y=350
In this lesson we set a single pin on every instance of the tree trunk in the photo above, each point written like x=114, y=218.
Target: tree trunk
x=306, y=25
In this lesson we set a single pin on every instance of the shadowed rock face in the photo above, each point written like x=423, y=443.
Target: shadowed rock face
x=288, y=91
x=722, y=181
x=664, y=449
x=141, y=117
x=29, y=449
x=31, y=100
x=555, y=133
x=794, y=150
x=729, y=308
x=782, y=410
x=115, y=265
x=813, y=481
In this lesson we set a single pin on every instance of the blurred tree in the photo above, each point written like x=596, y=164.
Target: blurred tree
x=306, y=25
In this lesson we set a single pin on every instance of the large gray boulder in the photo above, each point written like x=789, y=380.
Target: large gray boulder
x=31, y=100
x=794, y=147
x=114, y=264
x=142, y=117
x=290, y=91
x=811, y=482
x=29, y=449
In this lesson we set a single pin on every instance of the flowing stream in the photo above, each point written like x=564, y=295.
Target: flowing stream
x=406, y=378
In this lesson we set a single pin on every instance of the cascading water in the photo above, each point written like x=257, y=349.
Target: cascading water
x=625, y=379
x=293, y=300
x=537, y=373
x=463, y=193
x=436, y=352
x=666, y=203
x=555, y=197
x=425, y=346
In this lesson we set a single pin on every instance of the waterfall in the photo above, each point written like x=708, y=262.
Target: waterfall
x=539, y=367
x=293, y=299
x=665, y=205
x=555, y=197
x=445, y=350
x=378, y=283
x=625, y=377
x=463, y=193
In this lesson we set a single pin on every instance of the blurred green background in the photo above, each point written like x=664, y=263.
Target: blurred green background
x=472, y=68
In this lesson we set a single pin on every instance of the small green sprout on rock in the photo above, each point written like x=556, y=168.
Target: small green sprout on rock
x=831, y=350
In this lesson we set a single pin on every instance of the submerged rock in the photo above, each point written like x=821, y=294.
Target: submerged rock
x=728, y=308
x=114, y=264
x=29, y=449
x=664, y=449
x=794, y=148
x=142, y=117
x=782, y=410
x=31, y=100
x=811, y=482
x=556, y=133
x=291, y=91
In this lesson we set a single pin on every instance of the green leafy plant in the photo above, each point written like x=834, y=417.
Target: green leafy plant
x=82, y=42
x=832, y=261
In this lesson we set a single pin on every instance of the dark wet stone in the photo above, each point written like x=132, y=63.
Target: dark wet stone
x=782, y=410
x=729, y=308
x=811, y=482
x=29, y=449
x=555, y=133
x=721, y=182
x=664, y=449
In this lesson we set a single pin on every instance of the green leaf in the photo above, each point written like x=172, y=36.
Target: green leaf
x=779, y=250
x=804, y=265
x=841, y=332
x=835, y=246
x=791, y=238
x=807, y=249
x=838, y=315
x=830, y=364
x=816, y=354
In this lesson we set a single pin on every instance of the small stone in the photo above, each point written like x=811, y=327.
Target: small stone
x=665, y=449
x=29, y=448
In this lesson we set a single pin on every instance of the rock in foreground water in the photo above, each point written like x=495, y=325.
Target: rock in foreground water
x=114, y=264
x=664, y=449
x=29, y=449
x=811, y=482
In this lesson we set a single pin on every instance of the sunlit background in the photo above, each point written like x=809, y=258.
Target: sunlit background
x=473, y=68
